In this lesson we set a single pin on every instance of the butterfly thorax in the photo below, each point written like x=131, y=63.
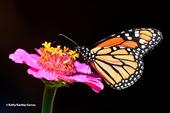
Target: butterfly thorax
x=85, y=53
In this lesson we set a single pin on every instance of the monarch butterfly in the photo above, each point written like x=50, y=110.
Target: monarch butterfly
x=118, y=58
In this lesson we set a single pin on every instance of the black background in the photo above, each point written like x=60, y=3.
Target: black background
x=26, y=24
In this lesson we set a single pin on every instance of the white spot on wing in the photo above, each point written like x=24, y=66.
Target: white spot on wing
x=123, y=32
x=159, y=33
x=127, y=34
x=114, y=48
x=129, y=38
x=128, y=49
x=154, y=34
x=136, y=72
x=136, y=56
x=143, y=46
x=136, y=34
x=138, y=49
x=159, y=38
x=122, y=47
x=113, y=35
x=152, y=31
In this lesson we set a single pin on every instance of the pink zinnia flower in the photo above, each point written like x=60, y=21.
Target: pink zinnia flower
x=56, y=64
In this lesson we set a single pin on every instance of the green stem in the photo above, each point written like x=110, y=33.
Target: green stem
x=48, y=99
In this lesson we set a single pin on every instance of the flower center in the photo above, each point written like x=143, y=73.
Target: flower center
x=56, y=60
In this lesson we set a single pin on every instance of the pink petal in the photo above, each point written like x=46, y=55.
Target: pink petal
x=34, y=72
x=21, y=56
x=82, y=68
x=41, y=74
x=91, y=80
x=96, y=85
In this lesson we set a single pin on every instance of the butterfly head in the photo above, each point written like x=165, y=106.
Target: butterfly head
x=85, y=53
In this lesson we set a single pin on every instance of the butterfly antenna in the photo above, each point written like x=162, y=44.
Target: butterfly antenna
x=68, y=39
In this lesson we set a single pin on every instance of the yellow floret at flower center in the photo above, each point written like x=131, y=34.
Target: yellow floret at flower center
x=56, y=60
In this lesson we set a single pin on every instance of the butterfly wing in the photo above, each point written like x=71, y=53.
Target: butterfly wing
x=119, y=66
x=118, y=59
x=142, y=39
